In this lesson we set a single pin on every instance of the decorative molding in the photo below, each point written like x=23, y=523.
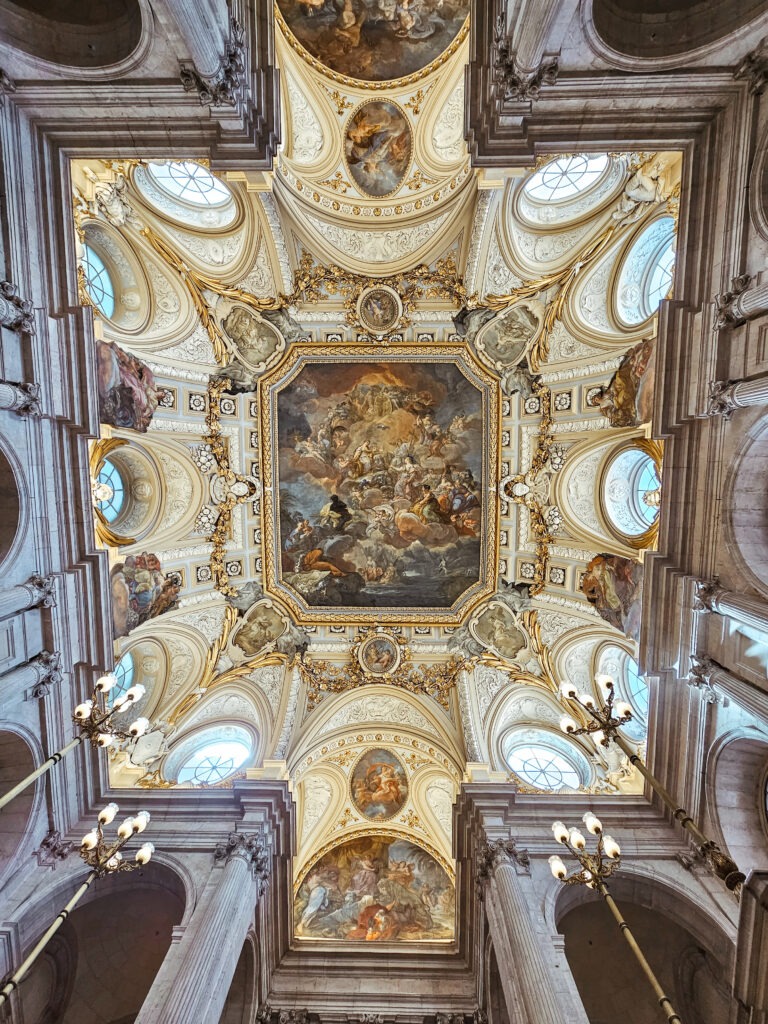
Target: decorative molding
x=15, y=312
x=222, y=90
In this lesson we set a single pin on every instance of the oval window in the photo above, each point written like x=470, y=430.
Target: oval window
x=190, y=182
x=632, y=492
x=647, y=273
x=98, y=282
x=566, y=177
x=543, y=766
x=213, y=762
x=110, y=493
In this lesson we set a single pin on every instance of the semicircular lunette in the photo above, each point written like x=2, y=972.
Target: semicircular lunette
x=378, y=143
x=375, y=40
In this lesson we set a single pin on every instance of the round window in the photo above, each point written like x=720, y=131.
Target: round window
x=566, y=177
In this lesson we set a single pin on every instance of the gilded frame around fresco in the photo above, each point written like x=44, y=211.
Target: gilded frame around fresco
x=275, y=381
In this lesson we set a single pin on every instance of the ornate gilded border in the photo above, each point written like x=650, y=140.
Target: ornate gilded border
x=269, y=387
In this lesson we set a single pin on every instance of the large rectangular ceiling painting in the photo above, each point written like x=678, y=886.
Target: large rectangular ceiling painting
x=380, y=467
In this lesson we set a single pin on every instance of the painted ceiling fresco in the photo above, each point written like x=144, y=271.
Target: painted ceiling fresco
x=379, y=888
x=375, y=40
x=379, y=470
x=365, y=421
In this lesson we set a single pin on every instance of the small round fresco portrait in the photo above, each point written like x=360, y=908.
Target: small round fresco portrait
x=379, y=309
x=377, y=147
x=379, y=785
x=379, y=655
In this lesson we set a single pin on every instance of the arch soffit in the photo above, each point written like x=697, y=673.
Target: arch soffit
x=24, y=500
x=552, y=246
x=663, y=887
x=52, y=891
x=195, y=239
x=756, y=436
x=743, y=36
x=174, y=514
x=749, y=739
x=419, y=717
x=391, y=247
x=31, y=828
x=40, y=67
x=597, y=534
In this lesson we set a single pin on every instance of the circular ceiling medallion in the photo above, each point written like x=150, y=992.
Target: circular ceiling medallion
x=377, y=147
x=379, y=309
x=375, y=40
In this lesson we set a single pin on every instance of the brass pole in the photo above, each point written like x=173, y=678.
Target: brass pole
x=44, y=767
x=666, y=1006
x=22, y=972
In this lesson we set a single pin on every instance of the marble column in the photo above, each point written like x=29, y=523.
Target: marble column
x=726, y=396
x=205, y=34
x=38, y=674
x=750, y=980
x=23, y=399
x=37, y=592
x=742, y=608
x=195, y=977
x=715, y=682
x=524, y=965
x=741, y=303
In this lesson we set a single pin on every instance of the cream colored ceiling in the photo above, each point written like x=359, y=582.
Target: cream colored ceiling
x=195, y=676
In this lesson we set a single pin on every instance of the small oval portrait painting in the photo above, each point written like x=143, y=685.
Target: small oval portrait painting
x=377, y=147
x=379, y=785
x=379, y=655
x=379, y=309
x=503, y=341
x=253, y=340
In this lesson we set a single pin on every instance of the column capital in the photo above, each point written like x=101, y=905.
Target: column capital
x=23, y=399
x=721, y=399
x=15, y=312
x=48, y=666
x=700, y=677
x=7, y=85
x=499, y=851
x=42, y=591
x=267, y=1015
x=754, y=68
x=728, y=313
x=224, y=88
x=706, y=595
x=53, y=848
x=514, y=81
x=248, y=847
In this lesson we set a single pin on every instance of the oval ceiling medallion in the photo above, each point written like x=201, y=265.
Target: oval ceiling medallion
x=377, y=147
x=376, y=40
